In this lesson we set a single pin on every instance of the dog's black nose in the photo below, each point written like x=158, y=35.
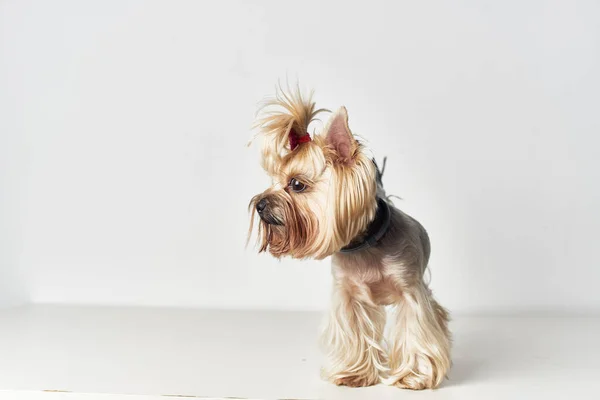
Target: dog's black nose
x=261, y=205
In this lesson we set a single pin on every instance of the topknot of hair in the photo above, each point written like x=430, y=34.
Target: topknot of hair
x=288, y=114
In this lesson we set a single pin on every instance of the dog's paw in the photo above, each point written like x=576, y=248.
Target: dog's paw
x=356, y=381
x=421, y=372
x=414, y=378
x=411, y=381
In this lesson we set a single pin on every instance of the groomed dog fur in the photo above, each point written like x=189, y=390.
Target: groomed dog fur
x=327, y=199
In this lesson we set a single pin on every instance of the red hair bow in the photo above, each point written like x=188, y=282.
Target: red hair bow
x=295, y=140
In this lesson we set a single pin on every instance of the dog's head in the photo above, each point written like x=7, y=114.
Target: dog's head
x=323, y=191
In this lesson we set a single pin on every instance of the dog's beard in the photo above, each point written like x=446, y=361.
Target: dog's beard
x=286, y=231
x=274, y=238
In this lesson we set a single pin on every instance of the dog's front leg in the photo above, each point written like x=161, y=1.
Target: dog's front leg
x=420, y=345
x=352, y=337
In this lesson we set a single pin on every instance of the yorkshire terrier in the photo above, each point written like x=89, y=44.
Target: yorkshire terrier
x=327, y=199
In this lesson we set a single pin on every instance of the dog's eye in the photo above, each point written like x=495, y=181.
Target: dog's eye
x=296, y=185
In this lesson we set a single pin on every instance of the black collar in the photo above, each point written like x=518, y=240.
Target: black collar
x=376, y=229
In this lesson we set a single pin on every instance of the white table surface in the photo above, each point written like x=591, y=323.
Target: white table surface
x=100, y=353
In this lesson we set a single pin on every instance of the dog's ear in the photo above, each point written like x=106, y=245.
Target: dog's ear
x=339, y=138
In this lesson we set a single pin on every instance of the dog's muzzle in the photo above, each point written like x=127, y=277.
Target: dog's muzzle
x=264, y=211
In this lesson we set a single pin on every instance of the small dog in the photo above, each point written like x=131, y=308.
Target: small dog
x=327, y=199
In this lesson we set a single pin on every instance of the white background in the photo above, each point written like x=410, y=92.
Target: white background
x=125, y=177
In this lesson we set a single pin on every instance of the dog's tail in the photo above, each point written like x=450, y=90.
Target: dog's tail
x=283, y=121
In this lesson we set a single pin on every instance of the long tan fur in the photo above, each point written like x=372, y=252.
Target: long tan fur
x=323, y=197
